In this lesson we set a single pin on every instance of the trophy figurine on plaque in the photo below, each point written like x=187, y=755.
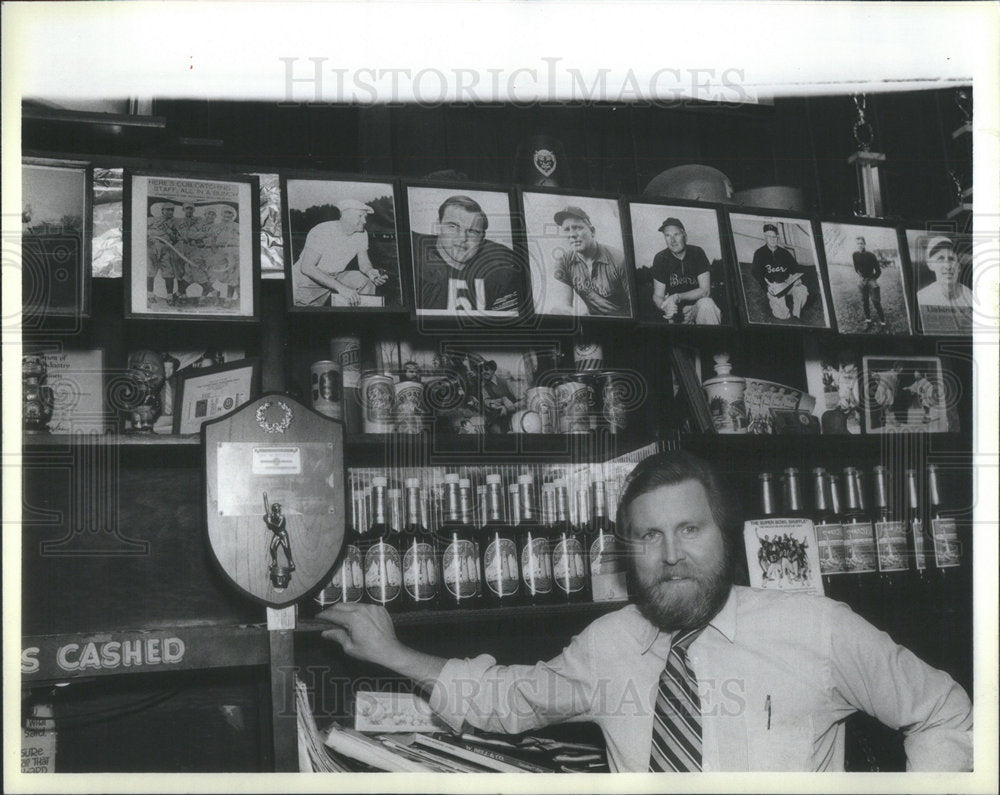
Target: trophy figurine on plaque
x=276, y=522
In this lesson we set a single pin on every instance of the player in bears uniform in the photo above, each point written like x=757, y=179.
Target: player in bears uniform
x=458, y=269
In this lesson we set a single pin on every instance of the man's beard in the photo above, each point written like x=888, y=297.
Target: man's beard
x=683, y=605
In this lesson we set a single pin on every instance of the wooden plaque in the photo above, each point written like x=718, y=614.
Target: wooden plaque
x=274, y=494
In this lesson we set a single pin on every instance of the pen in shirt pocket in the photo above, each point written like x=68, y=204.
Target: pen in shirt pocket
x=767, y=709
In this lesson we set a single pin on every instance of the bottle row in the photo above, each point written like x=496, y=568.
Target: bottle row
x=477, y=538
x=897, y=534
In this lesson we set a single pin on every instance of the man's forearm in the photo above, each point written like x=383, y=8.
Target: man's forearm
x=424, y=669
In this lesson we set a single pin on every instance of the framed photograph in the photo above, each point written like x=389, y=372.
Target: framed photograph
x=341, y=244
x=904, y=394
x=865, y=269
x=463, y=257
x=833, y=375
x=941, y=274
x=178, y=363
x=55, y=234
x=204, y=394
x=680, y=270
x=191, y=246
x=576, y=251
x=781, y=282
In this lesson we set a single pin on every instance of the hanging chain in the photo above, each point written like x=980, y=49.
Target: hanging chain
x=864, y=135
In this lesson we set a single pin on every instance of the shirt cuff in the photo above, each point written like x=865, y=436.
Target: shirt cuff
x=456, y=687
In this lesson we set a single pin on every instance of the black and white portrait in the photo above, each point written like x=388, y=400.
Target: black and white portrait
x=942, y=278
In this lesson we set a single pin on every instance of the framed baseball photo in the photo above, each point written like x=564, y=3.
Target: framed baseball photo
x=576, y=251
x=904, y=394
x=206, y=393
x=780, y=276
x=464, y=256
x=341, y=244
x=55, y=233
x=680, y=269
x=191, y=246
x=865, y=269
x=941, y=274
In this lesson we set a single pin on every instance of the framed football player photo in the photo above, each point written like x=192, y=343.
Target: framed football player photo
x=341, y=244
x=780, y=273
x=865, y=269
x=680, y=264
x=465, y=259
x=576, y=250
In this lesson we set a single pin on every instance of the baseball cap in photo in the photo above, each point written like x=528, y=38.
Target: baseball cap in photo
x=671, y=222
x=770, y=228
x=353, y=204
x=572, y=211
x=935, y=244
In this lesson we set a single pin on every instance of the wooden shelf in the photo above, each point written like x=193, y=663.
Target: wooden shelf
x=450, y=617
x=119, y=440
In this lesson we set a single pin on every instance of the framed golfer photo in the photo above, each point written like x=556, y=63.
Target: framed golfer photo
x=865, y=269
x=941, y=273
x=341, y=244
x=191, y=246
x=779, y=270
x=577, y=255
x=465, y=260
x=680, y=265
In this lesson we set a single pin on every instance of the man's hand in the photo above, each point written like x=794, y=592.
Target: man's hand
x=378, y=277
x=350, y=296
x=364, y=631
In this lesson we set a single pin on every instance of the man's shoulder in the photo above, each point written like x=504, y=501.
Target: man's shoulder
x=754, y=600
x=664, y=258
x=612, y=255
x=625, y=625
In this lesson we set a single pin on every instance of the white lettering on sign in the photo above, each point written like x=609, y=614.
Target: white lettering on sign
x=111, y=654
x=277, y=461
x=29, y=660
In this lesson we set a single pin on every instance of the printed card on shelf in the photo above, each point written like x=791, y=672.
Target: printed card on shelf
x=782, y=555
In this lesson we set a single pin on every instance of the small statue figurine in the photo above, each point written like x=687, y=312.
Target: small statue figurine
x=277, y=524
x=142, y=401
x=37, y=400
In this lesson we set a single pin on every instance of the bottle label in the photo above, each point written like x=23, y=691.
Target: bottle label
x=460, y=569
x=420, y=572
x=891, y=546
x=567, y=565
x=859, y=548
x=536, y=566
x=919, y=547
x=383, y=574
x=500, y=564
x=947, y=552
x=830, y=540
x=347, y=583
x=607, y=570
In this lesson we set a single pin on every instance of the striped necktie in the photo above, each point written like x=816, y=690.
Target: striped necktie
x=676, y=742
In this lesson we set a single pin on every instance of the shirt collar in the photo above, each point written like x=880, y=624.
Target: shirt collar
x=724, y=621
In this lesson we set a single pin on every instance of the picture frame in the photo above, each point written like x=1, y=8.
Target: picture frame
x=330, y=268
x=942, y=288
x=788, y=305
x=56, y=225
x=559, y=224
x=207, y=268
x=904, y=394
x=700, y=243
x=461, y=268
x=865, y=271
x=77, y=379
x=833, y=376
x=210, y=392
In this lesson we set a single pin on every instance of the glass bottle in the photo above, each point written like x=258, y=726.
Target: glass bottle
x=568, y=570
x=532, y=547
x=829, y=535
x=501, y=574
x=457, y=548
x=420, y=559
x=383, y=565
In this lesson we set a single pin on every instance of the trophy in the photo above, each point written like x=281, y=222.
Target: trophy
x=37, y=398
x=142, y=404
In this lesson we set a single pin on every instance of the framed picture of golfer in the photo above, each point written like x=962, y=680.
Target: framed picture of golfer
x=191, y=246
x=341, y=244
x=779, y=269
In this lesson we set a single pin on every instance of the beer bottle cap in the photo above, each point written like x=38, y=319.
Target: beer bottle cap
x=379, y=481
x=464, y=483
x=451, y=477
x=492, y=478
x=413, y=483
x=524, y=479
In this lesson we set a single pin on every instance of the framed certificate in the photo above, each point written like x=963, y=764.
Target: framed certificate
x=203, y=394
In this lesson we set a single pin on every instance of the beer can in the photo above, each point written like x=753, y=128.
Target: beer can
x=410, y=409
x=542, y=401
x=325, y=388
x=588, y=356
x=377, y=402
x=615, y=392
x=525, y=421
x=575, y=401
x=346, y=351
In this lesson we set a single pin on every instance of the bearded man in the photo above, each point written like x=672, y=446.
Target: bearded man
x=696, y=673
